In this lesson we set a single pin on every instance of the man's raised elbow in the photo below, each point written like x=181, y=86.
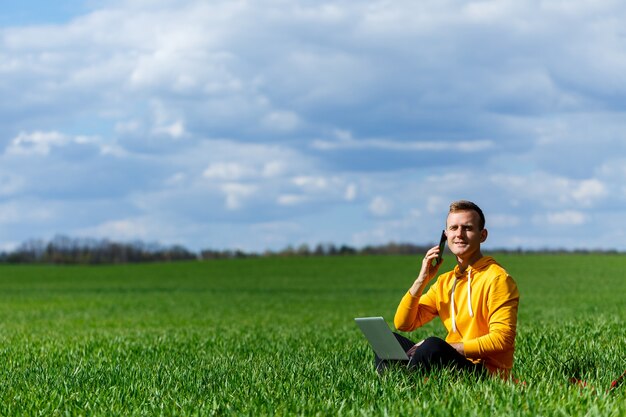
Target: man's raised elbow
x=402, y=325
x=507, y=339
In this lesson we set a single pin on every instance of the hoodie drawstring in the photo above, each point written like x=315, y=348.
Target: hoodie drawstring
x=469, y=292
x=469, y=298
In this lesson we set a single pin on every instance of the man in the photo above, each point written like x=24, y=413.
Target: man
x=477, y=302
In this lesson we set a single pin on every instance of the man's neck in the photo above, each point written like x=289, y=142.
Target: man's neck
x=464, y=263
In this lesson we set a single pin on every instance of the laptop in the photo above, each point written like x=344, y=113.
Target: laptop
x=381, y=339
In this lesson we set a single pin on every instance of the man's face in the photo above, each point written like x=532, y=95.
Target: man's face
x=464, y=234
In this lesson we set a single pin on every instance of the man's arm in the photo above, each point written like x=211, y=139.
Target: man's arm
x=502, y=306
x=409, y=315
x=414, y=312
x=427, y=272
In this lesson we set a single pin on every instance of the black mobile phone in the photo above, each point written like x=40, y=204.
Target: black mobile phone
x=442, y=244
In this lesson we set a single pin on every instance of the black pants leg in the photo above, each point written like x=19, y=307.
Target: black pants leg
x=437, y=353
x=382, y=364
x=432, y=353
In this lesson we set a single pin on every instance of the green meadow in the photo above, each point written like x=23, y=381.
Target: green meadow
x=275, y=336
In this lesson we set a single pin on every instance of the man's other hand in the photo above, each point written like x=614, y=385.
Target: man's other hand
x=411, y=351
x=458, y=347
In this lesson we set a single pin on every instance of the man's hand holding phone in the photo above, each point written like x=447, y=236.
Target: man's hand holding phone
x=430, y=265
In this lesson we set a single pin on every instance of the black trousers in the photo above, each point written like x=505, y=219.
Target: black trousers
x=431, y=354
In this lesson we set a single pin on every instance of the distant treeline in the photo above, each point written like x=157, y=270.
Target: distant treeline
x=386, y=249
x=322, y=249
x=66, y=250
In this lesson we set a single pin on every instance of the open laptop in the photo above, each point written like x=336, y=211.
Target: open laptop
x=381, y=339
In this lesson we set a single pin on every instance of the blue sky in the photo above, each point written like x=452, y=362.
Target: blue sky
x=41, y=12
x=254, y=125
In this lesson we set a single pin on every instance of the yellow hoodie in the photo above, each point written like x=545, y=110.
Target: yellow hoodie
x=477, y=307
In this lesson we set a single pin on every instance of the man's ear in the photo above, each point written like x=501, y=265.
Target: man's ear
x=483, y=235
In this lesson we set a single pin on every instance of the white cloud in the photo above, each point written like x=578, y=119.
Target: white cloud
x=166, y=122
x=236, y=193
x=404, y=229
x=9, y=246
x=273, y=169
x=351, y=192
x=10, y=183
x=290, y=199
x=24, y=212
x=311, y=182
x=251, y=170
x=380, y=206
x=372, y=237
x=128, y=127
x=147, y=227
x=275, y=234
x=436, y=204
x=503, y=221
x=409, y=146
x=566, y=218
x=285, y=121
x=551, y=190
x=613, y=168
x=319, y=188
x=176, y=179
x=114, y=150
x=119, y=229
x=175, y=130
x=229, y=171
x=37, y=142
x=490, y=11
x=232, y=160
x=588, y=191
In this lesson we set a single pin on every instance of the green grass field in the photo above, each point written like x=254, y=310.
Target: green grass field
x=276, y=337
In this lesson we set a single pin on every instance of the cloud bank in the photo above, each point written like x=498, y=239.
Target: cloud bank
x=258, y=124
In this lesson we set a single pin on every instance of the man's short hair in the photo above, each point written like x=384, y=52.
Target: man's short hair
x=464, y=205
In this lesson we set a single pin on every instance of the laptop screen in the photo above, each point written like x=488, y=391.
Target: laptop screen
x=381, y=338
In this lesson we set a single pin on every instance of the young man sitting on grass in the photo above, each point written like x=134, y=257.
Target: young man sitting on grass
x=477, y=302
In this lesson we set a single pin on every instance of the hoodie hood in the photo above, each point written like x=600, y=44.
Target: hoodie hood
x=477, y=266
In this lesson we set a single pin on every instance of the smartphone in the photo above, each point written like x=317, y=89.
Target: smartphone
x=442, y=244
